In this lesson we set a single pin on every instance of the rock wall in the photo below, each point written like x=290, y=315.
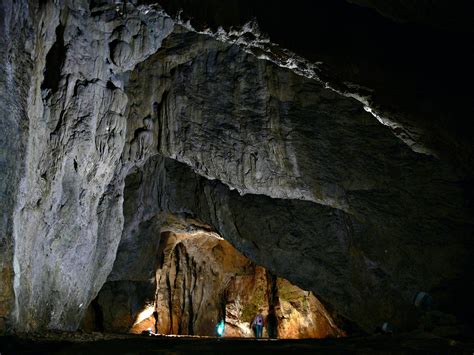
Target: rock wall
x=324, y=148
x=204, y=280
x=68, y=219
x=200, y=280
x=411, y=69
x=293, y=171
x=15, y=68
x=270, y=231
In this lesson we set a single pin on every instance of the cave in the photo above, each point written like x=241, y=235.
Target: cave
x=166, y=165
x=174, y=275
x=200, y=280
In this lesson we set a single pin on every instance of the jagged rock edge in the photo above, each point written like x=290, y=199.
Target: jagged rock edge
x=310, y=70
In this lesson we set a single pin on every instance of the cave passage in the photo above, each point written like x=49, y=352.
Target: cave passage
x=201, y=279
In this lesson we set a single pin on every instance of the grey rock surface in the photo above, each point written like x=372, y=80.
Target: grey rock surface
x=15, y=68
x=352, y=264
x=69, y=210
x=300, y=178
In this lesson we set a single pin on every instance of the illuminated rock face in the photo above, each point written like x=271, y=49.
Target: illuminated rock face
x=201, y=280
x=204, y=280
x=115, y=122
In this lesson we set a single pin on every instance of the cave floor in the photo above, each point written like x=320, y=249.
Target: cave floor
x=81, y=343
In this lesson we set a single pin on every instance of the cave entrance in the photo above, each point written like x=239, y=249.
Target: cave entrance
x=202, y=279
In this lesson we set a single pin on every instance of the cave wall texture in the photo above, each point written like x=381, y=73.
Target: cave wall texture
x=201, y=279
x=338, y=159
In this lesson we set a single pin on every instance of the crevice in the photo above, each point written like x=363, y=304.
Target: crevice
x=54, y=63
x=112, y=46
x=59, y=124
x=110, y=85
x=84, y=83
x=98, y=315
x=191, y=312
x=273, y=305
x=161, y=113
x=170, y=303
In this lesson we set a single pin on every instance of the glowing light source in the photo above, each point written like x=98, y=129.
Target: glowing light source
x=146, y=313
x=220, y=328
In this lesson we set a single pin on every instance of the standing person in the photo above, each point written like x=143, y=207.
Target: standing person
x=220, y=328
x=258, y=324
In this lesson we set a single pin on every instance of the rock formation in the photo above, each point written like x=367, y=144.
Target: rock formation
x=116, y=120
x=201, y=279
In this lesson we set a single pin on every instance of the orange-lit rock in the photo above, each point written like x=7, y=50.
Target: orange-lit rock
x=200, y=280
x=203, y=279
x=301, y=314
x=145, y=320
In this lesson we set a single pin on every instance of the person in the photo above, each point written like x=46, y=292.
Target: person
x=220, y=328
x=257, y=323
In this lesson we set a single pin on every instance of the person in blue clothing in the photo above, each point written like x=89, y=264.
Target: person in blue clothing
x=257, y=324
x=220, y=328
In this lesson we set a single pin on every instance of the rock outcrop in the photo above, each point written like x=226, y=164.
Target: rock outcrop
x=117, y=120
x=68, y=212
x=201, y=280
x=15, y=68
x=413, y=71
